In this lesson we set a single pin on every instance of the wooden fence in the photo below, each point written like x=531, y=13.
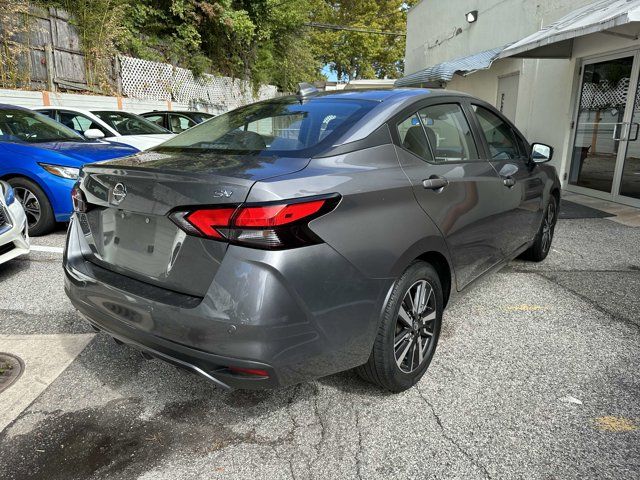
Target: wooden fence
x=49, y=54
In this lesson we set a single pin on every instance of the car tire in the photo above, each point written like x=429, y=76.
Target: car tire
x=38, y=208
x=387, y=367
x=542, y=243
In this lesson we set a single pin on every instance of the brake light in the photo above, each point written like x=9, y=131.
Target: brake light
x=274, y=215
x=207, y=221
x=268, y=226
x=78, y=199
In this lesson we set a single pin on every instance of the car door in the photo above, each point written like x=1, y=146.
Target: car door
x=523, y=186
x=457, y=189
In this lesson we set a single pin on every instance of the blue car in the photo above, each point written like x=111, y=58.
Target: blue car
x=41, y=158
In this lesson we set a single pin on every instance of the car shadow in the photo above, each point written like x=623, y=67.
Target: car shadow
x=13, y=267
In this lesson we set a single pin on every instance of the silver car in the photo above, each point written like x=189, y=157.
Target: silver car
x=14, y=231
x=306, y=235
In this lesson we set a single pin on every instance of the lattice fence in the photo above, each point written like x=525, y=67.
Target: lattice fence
x=596, y=96
x=160, y=81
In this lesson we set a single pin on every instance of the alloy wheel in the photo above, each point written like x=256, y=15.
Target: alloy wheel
x=415, y=327
x=547, y=226
x=30, y=204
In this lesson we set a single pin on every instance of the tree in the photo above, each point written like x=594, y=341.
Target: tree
x=355, y=55
x=265, y=41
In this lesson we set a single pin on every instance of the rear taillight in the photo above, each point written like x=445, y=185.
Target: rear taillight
x=270, y=226
x=78, y=199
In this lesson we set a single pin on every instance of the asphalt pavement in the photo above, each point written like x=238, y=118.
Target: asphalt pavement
x=536, y=376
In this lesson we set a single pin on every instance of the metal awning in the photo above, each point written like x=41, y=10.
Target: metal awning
x=556, y=40
x=444, y=72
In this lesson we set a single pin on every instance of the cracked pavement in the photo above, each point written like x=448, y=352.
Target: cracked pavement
x=535, y=376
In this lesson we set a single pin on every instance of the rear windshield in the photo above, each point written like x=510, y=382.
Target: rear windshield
x=129, y=123
x=284, y=126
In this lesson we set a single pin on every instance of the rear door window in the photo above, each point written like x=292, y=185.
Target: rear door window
x=158, y=119
x=413, y=137
x=180, y=123
x=49, y=113
x=449, y=133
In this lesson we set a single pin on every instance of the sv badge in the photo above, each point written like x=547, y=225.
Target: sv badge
x=222, y=193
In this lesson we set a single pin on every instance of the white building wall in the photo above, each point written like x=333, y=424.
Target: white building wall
x=437, y=30
x=547, y=87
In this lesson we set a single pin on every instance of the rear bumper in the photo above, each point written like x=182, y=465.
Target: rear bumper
x=297, y=314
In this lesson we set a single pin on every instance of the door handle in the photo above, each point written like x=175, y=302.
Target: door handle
x=435, y=183
x=508, y=181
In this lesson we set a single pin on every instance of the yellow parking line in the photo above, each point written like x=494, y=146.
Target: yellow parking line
x=615, y=424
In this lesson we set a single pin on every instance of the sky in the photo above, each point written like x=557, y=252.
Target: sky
x=331, y=76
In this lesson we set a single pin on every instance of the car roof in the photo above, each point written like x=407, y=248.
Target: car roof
x=79, y=110
x=384, y=94
x=186, y=112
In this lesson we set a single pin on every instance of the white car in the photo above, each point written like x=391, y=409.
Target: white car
x=14, y=232
x=111, y=125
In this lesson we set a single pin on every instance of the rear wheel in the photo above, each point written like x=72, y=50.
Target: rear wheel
x=37, y=208
x=409, y=331
x=542, y=243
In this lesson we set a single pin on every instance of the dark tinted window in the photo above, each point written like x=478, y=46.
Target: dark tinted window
x=413, y=137
x=157, y=118
x=129, y=123
x=31, y=127
x=284, y=126
x=501, y=139
x=48, y=113
x=448, y=132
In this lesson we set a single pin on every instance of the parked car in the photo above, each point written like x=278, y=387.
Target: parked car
x=301, y=236
x=111, y=125
x=14, y=234
x=41, y=159
x=177, y=121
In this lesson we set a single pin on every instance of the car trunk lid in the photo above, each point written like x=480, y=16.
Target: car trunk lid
x=127, y=225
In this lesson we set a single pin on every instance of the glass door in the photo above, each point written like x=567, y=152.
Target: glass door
x=605, y=160
x=630, y=172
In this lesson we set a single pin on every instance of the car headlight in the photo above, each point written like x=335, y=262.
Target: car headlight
x=60, y=171
x=9, y=194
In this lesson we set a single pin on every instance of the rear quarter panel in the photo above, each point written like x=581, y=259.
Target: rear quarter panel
x=378, y=225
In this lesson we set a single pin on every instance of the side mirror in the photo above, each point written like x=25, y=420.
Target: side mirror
x=541, y=153
x=93, y=133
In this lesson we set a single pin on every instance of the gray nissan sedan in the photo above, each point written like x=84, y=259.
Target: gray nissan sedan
x=305, y=235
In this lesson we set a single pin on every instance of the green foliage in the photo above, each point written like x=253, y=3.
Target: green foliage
x=15, y=69
x=356, y=55
x=266, y=41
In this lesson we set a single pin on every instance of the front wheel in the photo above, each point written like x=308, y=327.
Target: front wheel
x=409, y=331
x=40, y=218
x=542, y=243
